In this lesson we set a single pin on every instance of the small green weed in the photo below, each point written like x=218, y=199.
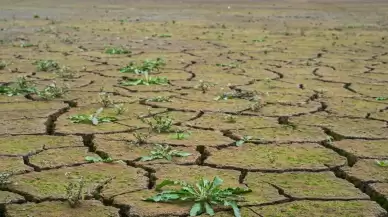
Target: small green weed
x=25, y=45
x=382, y=163
x=105, y=99
x=164, y=152
x=243, y=140
x=92, y=159
x=117, y=50
x=203, y=194
x=230, y=119
x=165, y=36
x=53, y=91
x=21, y=86
x=159, y=99
x=159, y=124
x=204, y=86
x=36, y=16
x=381, y=98
x=181, y=135
x=92, y=119
x=227, y=65
x=3, y=65
x=141, y=138
x=75, y=190
x=65, y=72
x=5, y=178
x=119, y=109
x=147, y=80
x=46, y=65
x=147, y=66
x=224, y=96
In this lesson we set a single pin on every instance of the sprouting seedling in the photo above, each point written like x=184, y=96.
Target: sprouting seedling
x=5, y=178
x=164, y=152
x=329, y=140
x=382, y=163
x=75, y=190
x=227, y=65
x=204, y=86
x=53, y=91
x=117, y=50
x=92, y=119
x=203, y=194
x=271, y=157
x=25, y=44
x=65, y=72
x=291, y=126
x=140, y=138
x=46, y=65
x=224, y=96
x=230, y=118
x=181, y=134
x=92, y=159
x=20, y=86
x=119, y=109
x=165, y=36
x=159, y=99
x=147, y=80
x=243, y=140
x=105, y=99
x=147, y=66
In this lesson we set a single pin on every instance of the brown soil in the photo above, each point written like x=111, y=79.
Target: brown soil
x=306, y=86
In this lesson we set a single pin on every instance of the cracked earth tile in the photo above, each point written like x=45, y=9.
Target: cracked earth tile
x=283, y=134
x=322, y=209
x=296, y=156
x=13, y=99
x=286, y=110
x=88, y=98
x=13, y=165
x=219, y=121
x=30, y=109
x=365, y=171
x=25, y=126
x=379, y=191
x=55, y=158
x=345, y=127
x=51, y=184
x=127, y=151
x=9, y=197
x=370, y=90
x=352, y=107
x=176, y=116
x=363, y=148
x=25, y=145
x=381, y=115
x=88, y=208
x=307, y=184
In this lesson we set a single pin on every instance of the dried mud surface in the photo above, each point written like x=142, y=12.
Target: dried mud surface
x=317, y=66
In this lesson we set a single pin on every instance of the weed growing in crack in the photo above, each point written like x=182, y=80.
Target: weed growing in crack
x=141, y=138
x=381, y=98
x=256, y=105
x=75, y=190
x=46, y=65
x=159, y=124
x=105, y=99
x=165, y=36
x=20, y=86
x=382, y=163
x=290, y=126
x=181, y=134
x=227, y=65
x=5, y=179
x=204, y=86
x=92, y=159
x=147, y=66
x=159, y=99
x=230, y=118
x=203, y=194
x=259, y=39
x=53, y=91
x=243, y=140
x=119, y=109
x=25, y=45
x=92, y=119
x=164, y=152
x=117, y=50
x=329, y=140
x=147, y=80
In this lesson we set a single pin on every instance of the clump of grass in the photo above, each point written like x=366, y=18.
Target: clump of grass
x=65, y=72
x=164, y=152
x=147, y=66
x=117, y=50
x=159, y=99
x=119, y=109
x=381, y=98
x=140, y=138
x=227, y=65
x=21, y=86
x=25, y=44
x=46, y=65
x=94, y=119
x=75, y=190
x=230, y=118
x=165, y=36
x=147, y=80
x=243, y=140
x=3, y=65
x=36, y=16
x=181, y=134
x=53, y=91
x=92, y=159
x=382, y=163
x=203, y=194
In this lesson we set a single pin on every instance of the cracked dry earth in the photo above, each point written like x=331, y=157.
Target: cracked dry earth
x=318, y=68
